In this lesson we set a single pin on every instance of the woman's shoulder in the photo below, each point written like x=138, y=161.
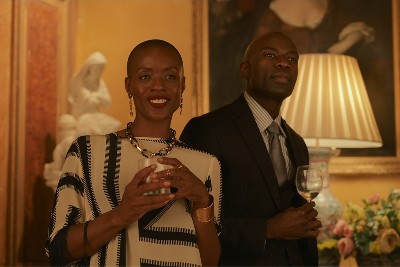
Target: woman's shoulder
x=193, y=152
x=97, y=138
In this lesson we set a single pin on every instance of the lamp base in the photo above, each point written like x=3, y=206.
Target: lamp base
x=327, y=205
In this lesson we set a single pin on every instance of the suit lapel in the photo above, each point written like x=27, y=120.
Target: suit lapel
x=292, y=143
x=247, y=127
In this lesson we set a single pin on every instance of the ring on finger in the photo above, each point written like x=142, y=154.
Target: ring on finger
x=168, y=172
x=180, y=167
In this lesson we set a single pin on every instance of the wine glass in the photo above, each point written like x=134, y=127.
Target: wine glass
x=309, y=181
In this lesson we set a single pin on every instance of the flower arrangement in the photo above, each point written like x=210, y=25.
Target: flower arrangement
x=371, y=230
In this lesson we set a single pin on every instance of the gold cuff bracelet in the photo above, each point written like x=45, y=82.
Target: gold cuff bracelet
x=205, y=214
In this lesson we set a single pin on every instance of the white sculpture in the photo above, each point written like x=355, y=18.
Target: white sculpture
x=52, y=170
x=88, y=94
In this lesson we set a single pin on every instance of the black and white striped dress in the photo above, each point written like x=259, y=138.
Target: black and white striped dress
x=95, y=174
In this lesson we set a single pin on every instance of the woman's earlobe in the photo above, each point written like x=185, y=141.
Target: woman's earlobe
x=127, y=85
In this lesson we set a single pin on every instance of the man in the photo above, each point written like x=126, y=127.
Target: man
x=264, y=221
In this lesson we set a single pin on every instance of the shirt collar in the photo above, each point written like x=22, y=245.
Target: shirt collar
x=261, y=116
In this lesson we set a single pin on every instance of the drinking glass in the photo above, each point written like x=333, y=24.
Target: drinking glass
x=144, y=162
x=309, y=181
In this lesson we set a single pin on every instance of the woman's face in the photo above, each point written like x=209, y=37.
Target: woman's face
x=156, y=83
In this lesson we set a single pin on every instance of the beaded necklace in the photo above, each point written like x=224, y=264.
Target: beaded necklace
x=148, y=154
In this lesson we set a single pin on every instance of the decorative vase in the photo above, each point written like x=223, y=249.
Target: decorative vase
x=348, y=262
x=328, y=206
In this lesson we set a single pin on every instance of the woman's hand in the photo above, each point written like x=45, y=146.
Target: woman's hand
x=131, y=208
x=134, y=203
x=188, y=185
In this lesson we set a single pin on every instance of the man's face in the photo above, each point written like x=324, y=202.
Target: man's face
x=156, y=83
x=272, y=63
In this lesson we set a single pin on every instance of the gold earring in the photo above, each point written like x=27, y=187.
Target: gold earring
x=181, y=105
x=130, y=106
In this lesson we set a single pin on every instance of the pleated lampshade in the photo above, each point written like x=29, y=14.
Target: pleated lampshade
x=329, y=106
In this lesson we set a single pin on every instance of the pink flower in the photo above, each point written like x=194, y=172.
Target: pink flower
x=348, y=231
x=339, y=227
x=345, y=246
x=373, y=199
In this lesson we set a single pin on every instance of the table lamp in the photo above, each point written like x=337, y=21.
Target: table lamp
x=330, y=109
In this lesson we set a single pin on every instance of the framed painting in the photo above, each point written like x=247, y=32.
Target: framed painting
x=232, y=24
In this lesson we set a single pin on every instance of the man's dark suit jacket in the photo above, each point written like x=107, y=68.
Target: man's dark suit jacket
x=250, y=192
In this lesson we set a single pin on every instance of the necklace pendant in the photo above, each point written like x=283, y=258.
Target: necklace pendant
x=163, y=152
x=147, y=154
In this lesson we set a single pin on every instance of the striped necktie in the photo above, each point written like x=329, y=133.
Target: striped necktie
x=275, y=152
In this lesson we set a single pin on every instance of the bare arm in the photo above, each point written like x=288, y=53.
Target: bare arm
x=209, y=246
x=193, y=189
x=105, y=227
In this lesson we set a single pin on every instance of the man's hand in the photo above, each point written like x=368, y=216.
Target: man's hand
x=294, y=223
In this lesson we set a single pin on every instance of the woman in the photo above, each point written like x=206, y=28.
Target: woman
x=103, y=213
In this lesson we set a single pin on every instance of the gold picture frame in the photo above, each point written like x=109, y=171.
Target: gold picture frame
x=354, y=166
x=378, y=165
x=348, y=166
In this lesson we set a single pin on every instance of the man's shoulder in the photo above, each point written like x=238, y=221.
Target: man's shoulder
x=293, y=135
x=224, y=112
x=290, y=130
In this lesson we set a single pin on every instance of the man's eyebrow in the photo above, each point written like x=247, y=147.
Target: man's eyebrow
x=150, y=69
x=143, y=69
x=269, y=48
x=291, y=52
